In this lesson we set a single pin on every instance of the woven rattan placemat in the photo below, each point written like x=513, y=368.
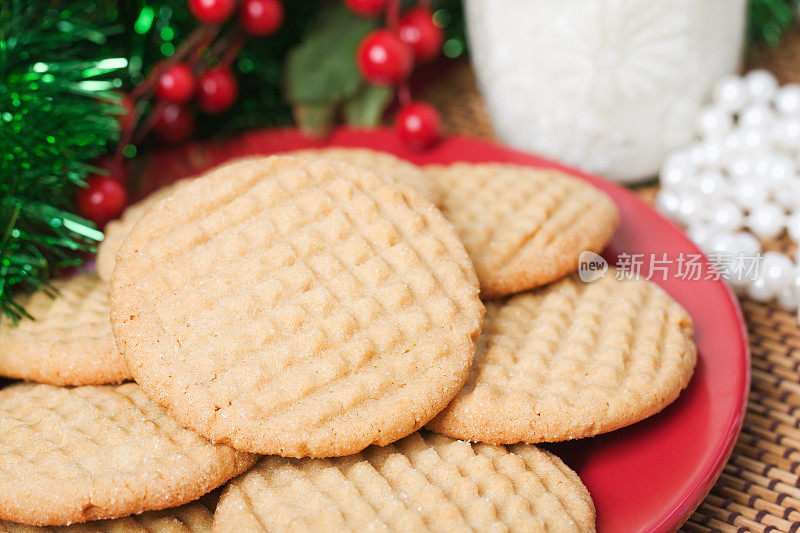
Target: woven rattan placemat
x=759, y=489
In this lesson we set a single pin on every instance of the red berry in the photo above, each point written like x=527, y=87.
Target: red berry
x=261, y=17
x=419, y=125
x=217, y=90
x=212, y=11
x=176, y=124
x=383, y=59
x=127, y=115
x=102, y=199
x=418, y=31
x=113, y=167
x=366, y=8
x=176, y=84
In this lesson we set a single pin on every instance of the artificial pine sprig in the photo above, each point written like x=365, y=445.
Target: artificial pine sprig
x=56, y=116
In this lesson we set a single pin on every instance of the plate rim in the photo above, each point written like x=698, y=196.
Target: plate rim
x=704, y=482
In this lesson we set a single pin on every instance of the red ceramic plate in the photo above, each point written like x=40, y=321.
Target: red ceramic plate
x=649, y=476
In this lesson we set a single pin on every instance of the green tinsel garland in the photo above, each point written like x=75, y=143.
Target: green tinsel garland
x=56, y=115
x=769, y=20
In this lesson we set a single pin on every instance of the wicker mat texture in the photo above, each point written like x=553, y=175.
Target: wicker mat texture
x=759, y=489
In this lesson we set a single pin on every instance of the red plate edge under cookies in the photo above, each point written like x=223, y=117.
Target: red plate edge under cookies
x=649, y=476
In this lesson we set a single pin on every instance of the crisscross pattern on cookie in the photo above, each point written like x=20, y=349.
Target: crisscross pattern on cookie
x=572, y=360
x=190, y=518
x=117, y=230
x=297, y=307
x=87, y=453
x=425, y=482
x=522, y=227
x=69, y=342
x=404, y=173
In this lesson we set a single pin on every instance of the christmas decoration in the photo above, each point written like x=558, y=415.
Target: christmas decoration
x=418, y=30
x=103, y=199
x=212, y=11
x=175, y=124
x=384, y=59
x=176, y=84
x=58, y=112
x=738, y=183
x=217, y=90
x=367, y=8
x=261, y=17
x=419, y=125
x=85, y=85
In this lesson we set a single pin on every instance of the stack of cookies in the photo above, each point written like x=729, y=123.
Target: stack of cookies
x=345, y=342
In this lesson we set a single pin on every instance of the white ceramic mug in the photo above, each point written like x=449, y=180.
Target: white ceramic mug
x=609, y=86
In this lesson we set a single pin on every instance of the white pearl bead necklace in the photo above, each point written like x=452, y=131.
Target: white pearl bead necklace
x=740, y=179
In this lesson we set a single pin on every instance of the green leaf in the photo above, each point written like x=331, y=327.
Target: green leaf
x=322, y=68
x=366, y=108
x=316, y=120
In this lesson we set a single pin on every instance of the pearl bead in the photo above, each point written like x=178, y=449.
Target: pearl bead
x=730, y=93
x=793, y=226
x=739, y=166
x=786, y=134
x=746, y=160
x=700, y=234
x=697, y=155
x=676, y=177
x=756, y=116
x=727, y=216
x=759, y=291
x=750, y=194
x=668, y=203
x=777, y=270
x=690, y=208
x=746, y=244
x=754, y=137
x=787, y=298
x=711, y=183
x=723, y=242
x=733, y=142
x=713, y=121
x=676, y=170
x=761, y=85
x=761, y=165
x=787, y=194
x=781, y=168
x=713, y=152
x=766, y=220
x=787, y=99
